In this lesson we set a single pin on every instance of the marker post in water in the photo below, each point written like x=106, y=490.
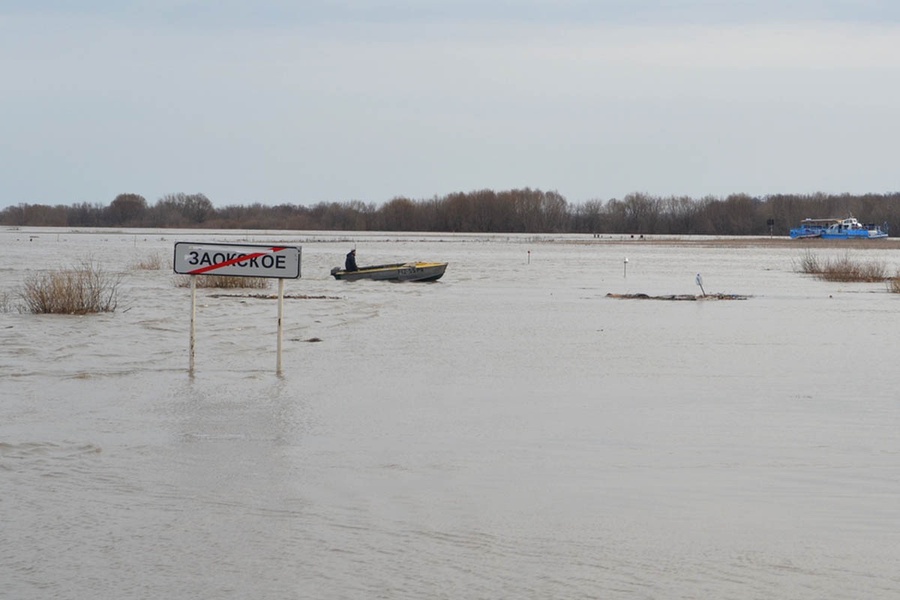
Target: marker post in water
x=625, y=268
x=270, y=262
x=700, y=283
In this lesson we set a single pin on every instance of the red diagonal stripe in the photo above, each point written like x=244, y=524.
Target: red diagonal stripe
x=238, y=259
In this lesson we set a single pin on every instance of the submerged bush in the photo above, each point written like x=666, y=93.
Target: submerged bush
x=843, y=269
x=82, y=289
x=809, y=263
x=223, y=282
x=154, y=262
x=6, y=303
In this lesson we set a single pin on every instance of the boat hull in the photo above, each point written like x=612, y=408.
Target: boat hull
x=799, y=234
x=864, y=234
x=854, y=235
x=412, y=271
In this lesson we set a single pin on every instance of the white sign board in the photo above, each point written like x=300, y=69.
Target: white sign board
x=273, y=262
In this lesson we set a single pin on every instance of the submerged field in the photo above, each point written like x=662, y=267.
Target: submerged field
x=509, y=431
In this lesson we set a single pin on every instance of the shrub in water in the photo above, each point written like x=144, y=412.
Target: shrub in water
x=893, y=284
x=6, y=303
x=809, y=263
x=154, y=262
x=79, y=290
x=843, y=269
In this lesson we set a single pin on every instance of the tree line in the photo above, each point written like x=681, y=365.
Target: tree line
x=483, y=211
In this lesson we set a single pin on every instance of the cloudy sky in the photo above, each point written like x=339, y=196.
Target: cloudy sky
x=286, y=101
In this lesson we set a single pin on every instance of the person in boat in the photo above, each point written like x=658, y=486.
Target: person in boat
x=350, y=262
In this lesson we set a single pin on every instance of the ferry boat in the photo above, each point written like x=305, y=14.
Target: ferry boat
x=839, y=229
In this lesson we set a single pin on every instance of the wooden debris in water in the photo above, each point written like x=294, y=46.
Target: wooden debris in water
x=678, y=297
x=275, y=296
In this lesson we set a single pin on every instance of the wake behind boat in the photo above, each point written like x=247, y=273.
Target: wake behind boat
x=838, y=229
x=409, y=271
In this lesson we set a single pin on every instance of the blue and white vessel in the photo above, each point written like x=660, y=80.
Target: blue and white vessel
x=839, y=229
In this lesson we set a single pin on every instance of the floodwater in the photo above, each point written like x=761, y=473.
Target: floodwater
x=506, y=432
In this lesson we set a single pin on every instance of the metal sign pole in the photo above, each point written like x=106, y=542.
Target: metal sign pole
x=193, y=319
x=280, y=324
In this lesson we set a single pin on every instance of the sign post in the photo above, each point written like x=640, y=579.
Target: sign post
x=280, y=328
x=271, y=262
x=193, y=321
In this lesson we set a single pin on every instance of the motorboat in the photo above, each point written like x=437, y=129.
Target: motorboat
x=409, y=271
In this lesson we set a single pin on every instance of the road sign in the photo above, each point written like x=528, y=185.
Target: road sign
x=273, y=262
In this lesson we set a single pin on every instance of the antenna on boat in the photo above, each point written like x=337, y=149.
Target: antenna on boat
x=699, y=281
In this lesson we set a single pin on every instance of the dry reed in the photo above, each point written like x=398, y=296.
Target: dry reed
x=843, y=269
x=6, y=303
x=223, y=282
x=154, y=262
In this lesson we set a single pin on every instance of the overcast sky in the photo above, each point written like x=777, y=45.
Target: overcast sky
x=285, y=101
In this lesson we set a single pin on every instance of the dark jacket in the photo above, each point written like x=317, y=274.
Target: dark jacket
x=350, y=263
